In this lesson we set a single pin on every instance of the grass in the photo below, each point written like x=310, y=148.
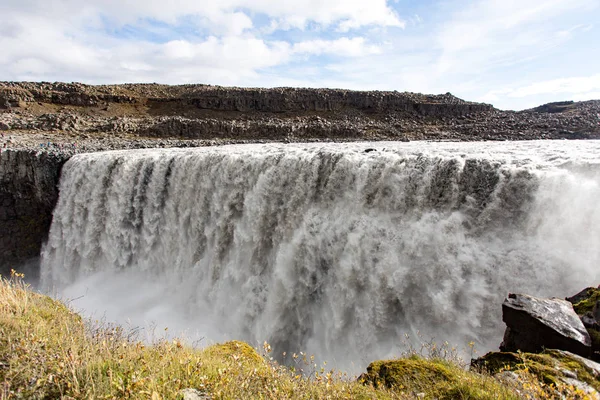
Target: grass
x=47, y=351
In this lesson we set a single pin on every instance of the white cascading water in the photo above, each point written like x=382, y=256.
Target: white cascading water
x=326, y=248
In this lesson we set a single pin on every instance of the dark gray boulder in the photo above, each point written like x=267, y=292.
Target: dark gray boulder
x=534, y=324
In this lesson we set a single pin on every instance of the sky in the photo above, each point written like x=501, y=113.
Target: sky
x=514, y=54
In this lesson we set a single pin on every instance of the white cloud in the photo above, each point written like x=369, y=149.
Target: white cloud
x=354, y=47
x=578, y=88
x=348, y=14
x=491, y=33
x=51, y=54
x=579, y=85
x=227, y=23
x=66, y=39
x=586, y=96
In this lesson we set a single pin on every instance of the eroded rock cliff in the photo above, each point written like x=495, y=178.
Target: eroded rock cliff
x=28, y=193
x=290, y=114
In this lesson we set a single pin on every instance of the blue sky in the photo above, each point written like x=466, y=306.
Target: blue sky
x=513, y=54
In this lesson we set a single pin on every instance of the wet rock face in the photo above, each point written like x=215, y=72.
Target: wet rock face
x=535, y=324
x=28, y=193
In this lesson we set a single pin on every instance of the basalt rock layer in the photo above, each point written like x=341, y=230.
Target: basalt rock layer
x=28, y=193
x=218, y=98
x=204, y=112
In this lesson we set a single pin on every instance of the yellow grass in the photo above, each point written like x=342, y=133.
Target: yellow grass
x=47, y=351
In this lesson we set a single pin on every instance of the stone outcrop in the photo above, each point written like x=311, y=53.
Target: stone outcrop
x=219, y=98
x=535, y=324
x=587, y=305
x=545, y=339
x=533, y=361
x=557, y=369
x=28, y=194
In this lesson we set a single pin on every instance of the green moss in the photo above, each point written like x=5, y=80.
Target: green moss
x=548, y=367
x=433, y=379
x=408, y=371
x=541, y=366
x=237, y=349
x=584, y=303
x=497, y=362
x=46, y=353
x=584, y=373
x=592, y=296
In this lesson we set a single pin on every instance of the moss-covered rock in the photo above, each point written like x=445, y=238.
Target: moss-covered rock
x=433, y=379
x=402, y=372
x=553, y=367
x=586, y=305
x=585, y=301
x=240, y=350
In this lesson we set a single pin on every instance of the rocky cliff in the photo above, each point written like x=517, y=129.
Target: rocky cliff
x=202, y=112
x=28, y=193
x=219, y=98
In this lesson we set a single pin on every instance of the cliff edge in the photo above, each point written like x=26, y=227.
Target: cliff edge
x=68, y=112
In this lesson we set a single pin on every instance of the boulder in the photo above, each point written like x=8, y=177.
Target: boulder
x=430, y=378
x=535, y=324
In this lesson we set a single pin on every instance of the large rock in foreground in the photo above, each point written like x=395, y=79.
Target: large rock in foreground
x=535, y=324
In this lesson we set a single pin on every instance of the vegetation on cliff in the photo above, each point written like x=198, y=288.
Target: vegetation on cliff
x=434, y=378
x=48, y=351
x=563, y=374
x=585, y=301
x=587, y=305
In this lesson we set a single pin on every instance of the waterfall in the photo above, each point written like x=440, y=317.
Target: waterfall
x=334, y=249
